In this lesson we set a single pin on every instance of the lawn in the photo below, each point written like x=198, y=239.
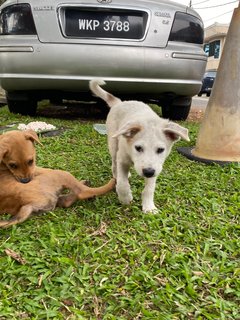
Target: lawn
x=101, y=260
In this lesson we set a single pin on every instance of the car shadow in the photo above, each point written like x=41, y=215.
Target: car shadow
x=71, y=110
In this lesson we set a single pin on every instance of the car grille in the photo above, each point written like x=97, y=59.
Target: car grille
x=101, y=23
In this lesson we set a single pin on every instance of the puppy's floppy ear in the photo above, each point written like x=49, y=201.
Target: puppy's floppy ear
x=129, y=130
x=32, y=135
x=174, y=132
x=3, y=152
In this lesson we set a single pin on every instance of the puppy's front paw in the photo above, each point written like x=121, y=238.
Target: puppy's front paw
x=124, y=193
x=150, y=209
x=125, y=199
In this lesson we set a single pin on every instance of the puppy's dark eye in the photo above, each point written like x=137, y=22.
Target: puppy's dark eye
x=30, y=162
x=139, y=148
x=12, y=165
x=160, y=150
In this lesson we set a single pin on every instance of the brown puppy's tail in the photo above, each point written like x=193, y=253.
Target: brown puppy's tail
x=88, y=192
x=110, y=99
x=79, y=189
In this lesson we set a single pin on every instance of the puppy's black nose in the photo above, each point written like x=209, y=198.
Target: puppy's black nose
x=25, y=180
x=148, y=172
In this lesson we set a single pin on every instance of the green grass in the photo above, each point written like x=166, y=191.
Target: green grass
x=101, y=260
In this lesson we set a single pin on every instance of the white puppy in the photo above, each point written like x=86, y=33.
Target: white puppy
x=137, y=136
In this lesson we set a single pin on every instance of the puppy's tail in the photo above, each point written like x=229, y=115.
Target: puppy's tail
x=88, y=192
x=110, y=99
x=80, y=191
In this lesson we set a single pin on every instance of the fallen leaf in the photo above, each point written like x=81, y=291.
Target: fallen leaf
x=101, y=230
x=15, y=256
x=198, y=273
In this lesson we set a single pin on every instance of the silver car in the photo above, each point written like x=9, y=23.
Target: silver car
x=146, y=50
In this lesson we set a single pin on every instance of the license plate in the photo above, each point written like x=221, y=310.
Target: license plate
x=105, y=24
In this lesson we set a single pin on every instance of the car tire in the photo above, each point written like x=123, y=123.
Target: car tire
x=103, y=108
x=177, y=110
x=208, y=94
x=56, y=101
x=23, y=107
x=199, y=94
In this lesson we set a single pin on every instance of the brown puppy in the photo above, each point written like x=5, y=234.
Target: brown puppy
x=25, y=188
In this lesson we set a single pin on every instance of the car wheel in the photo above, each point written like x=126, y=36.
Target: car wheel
x=208, y=94
x=56, y=101
x=24, y=107
x=178, y=109
x=199, y=94
x=103, y=108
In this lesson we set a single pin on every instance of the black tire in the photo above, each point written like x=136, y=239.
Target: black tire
x=103, y=108
x=56, y=101
x=199, y=94
x=208, y=94
x=24, y=107
x=177, y=109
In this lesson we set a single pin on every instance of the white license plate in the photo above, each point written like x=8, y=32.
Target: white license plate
x=105, y=24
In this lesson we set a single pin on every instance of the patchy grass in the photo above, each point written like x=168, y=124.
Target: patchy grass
x=101, y=260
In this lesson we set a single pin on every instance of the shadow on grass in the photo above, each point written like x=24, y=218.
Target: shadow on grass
x=71, y=110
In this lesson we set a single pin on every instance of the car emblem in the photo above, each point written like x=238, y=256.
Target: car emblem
x=104, y=1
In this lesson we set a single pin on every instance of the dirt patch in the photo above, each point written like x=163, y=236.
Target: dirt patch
x=195, y=115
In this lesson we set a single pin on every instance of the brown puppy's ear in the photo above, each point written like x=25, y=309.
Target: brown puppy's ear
x=32, y=135
x=174, y=132
x=3, y=152
x=128, y=131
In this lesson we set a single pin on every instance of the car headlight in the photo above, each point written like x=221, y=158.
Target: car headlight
x=187, y=28
x=17, y=19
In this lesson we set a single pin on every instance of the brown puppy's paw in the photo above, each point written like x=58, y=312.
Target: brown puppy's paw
x=66, y=200
x=4, y=224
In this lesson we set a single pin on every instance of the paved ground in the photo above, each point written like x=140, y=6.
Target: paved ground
x=199, y=102
x=198, y=108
